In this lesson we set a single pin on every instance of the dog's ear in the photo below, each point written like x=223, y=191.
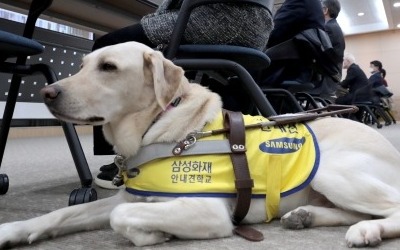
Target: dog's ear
x=166, y=77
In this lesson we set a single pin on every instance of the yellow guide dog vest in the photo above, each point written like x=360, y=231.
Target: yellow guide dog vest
x=282, y=160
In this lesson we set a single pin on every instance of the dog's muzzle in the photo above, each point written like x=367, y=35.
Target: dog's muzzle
x=51, y=96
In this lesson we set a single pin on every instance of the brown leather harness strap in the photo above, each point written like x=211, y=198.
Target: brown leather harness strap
x=233, y=121
x=243, y=183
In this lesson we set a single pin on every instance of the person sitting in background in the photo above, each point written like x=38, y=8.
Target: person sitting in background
x=326, y=87
x=331, y=9
x=293, y=17
x=356, y=82
x=243, y=24
x=377, y=79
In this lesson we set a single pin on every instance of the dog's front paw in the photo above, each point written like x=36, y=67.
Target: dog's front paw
x=14, y=233
x=297, y=219
x=364, y=233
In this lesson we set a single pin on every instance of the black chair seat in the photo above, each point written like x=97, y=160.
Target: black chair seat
x=247, y=57
x=12, y=45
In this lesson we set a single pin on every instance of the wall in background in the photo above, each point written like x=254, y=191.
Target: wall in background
x=382, y=46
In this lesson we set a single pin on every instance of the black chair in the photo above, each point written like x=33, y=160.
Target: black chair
x=297, y=64
x=367, y=113
x=370, y=109
x=373, y=112
x=11, y=46
x=307, y=101
x=283, y=101
x=236, y=60
x=386, y=104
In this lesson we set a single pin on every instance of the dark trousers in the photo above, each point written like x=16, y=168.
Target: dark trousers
x=345, y=100
x=127, y=34
x=133, y=33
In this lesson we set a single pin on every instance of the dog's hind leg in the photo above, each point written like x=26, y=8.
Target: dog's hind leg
x=368, y=186
x=186, y=218
x=88, y=216
x=314, y=216
x=371, y=232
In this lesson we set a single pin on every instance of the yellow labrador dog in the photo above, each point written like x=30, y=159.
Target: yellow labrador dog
x=128, y=88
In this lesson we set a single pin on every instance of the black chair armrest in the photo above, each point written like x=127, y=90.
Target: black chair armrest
x=184, y=14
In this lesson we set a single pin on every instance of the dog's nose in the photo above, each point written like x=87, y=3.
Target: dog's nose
x=50, y=93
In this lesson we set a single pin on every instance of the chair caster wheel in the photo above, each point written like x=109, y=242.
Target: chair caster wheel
x=4, y=183
x=379, y=126
x=82, y=195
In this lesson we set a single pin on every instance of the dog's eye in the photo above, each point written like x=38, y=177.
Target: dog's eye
x=108, y=67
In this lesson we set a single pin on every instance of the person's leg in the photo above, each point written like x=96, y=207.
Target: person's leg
x=344, y=100
x=133, y=33
x=347, y=99
x=100, y=145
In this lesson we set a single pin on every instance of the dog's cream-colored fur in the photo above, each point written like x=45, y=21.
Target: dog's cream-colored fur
x=126, y=87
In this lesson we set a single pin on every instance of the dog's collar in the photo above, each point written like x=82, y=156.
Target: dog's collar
x=173, y=104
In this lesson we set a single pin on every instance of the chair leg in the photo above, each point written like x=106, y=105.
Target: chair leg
x=8, y=113
x=6, y=121
x=12, y=96
x=77, y=154
x=369, y=112
x=69, y=130
x=381, y=113
x=321, y=101
x=390, y=115
x=310, y=102
x=282, y=100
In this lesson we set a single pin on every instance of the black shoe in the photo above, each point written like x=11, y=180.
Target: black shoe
x=109, y=167
x=104, y=178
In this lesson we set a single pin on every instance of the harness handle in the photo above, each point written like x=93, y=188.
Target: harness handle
x=234, y=123
x=243, y=183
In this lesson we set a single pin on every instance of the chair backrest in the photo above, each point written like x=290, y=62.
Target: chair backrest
x=184, y=14
x=382, y=91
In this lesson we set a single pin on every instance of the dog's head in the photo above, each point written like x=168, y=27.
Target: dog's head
x=114, y=82
x=125, y=88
